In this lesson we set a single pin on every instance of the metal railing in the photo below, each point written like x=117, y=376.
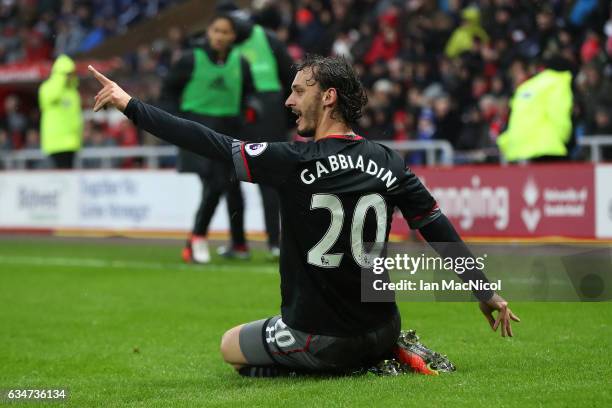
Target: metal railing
x=106, y=156
x=18, y=159
x=436, y=152
x=595, y=143
x=431, y=148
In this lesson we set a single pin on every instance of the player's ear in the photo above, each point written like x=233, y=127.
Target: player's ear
x=330, y=96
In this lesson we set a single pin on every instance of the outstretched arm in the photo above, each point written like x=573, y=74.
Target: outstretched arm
x=443, y=237
x=184, y=133
x=422, y=213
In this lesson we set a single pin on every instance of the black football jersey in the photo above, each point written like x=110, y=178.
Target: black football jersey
x=337, y=197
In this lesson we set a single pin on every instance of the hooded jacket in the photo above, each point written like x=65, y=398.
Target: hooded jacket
x=463, y=37
x=540, y=119
x=61, y=122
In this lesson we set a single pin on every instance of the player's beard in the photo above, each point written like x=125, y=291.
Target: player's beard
x=308, y=120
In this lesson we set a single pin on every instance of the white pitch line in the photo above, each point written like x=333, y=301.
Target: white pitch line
x=103, y=263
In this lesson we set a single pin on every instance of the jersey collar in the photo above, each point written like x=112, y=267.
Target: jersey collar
x=345, y=137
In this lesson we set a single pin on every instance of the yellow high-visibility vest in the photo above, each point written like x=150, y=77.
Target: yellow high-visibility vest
x=540, y=119
x=61, y=119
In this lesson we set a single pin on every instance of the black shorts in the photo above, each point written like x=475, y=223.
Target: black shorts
x=272, y=342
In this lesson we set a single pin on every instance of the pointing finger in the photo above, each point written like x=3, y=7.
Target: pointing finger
x=101, y=78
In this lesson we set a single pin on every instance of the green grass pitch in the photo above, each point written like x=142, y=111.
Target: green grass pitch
x=129, y=325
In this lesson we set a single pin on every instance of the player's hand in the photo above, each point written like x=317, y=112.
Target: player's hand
x=110, y=94
x=504, y=314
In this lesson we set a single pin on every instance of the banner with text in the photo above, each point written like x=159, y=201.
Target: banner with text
x=514, y=201
x=572, y=200
x=112, y=200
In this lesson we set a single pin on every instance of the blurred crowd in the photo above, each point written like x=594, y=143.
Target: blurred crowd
x=35, y=30
x=446, y=69
x=442, y=69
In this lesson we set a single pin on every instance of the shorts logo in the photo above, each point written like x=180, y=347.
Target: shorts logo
x=255, y=149
x=279, y=334
x=270, y=335
x=283, y=336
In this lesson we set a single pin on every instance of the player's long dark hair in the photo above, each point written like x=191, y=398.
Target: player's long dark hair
x=337, y=72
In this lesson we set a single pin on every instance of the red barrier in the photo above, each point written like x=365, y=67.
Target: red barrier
x=514, y=201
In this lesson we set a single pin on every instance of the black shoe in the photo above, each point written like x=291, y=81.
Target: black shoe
x=389, y=368
x=233, y=253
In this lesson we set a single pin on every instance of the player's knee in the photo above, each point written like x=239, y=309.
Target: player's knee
x=230, y=346
x=224, y=346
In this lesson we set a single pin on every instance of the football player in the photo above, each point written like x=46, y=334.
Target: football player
x=334, y=191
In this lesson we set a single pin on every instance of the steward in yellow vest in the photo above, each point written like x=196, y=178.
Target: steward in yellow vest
x=61, y=119
x=540, y=124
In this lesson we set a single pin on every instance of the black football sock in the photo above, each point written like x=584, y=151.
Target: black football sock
x=264, y=371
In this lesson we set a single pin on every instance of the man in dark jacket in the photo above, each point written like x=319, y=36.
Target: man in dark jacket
x=273, y=72
x=209, y=84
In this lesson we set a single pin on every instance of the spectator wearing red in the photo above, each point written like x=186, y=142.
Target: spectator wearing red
x=591, y=47
x=36, y=47
x=386, y=44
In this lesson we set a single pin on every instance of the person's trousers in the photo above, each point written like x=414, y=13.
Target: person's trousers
x=213, y=189
x=62, y=160
x=271, y=206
